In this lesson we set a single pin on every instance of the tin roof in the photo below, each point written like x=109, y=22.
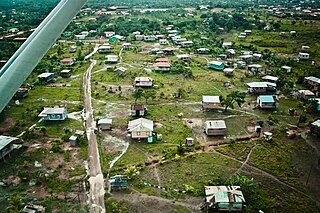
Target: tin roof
x=216, y=124
x=45, y=75
x=140, y=124
x=269, y=77
x=5, y=140
x=105, y=121
x=261, y=84
x=51, y=111
x=267, y=98
x=224, y=194
x=314, y=79
x=210, y=99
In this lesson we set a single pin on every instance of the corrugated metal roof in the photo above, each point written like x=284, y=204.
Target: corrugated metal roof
x=210, y=99
x=314, y=79
x=224, y=194
x=105, y=121
x=267, y=98
x=269, y=77
x=45, y=75
x=261, y=84
x=140, y=124
x=51, y=111
x=316, y=123
x=216, y=124
x=5, y=140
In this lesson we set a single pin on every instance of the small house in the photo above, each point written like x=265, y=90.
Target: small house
x=215, y=127
x=118, y=181
x=315, y=128
x=137, y=110
x=46, y=77
x=183, y=57
x=139, y=37
x=305, y=48
x=73, y=49
x=270, y=78
x=230, y=53
x=190, y=141
x=217, y=65
x=67, y=62
x=304, y=56
x=248, y=32
x=261, y=87
x=246, y=57
x=6, y=145
x=143, y=82
x=109, y=34
x=266, y=102
x=228, y=71
x=210, y=102
x=186, y=44
x=163, y=41
x=224, y=198
x=54, y=114
x=32, y=208
x=254, y=69
x=162, y=60
x=241, y=64
x=105, y=124
x=111, y=59
x=313, y=81
x=202, y=51
x=287, y=69
x=162, y=66
x=227, y=44
x=65, y=73
x=21, y=93
x=140, y=128
x=73, y=140
x=104, y=49
x=149, y=38
x=126, y=46
x=257, y=56
x=168, y=51
x=306, y=95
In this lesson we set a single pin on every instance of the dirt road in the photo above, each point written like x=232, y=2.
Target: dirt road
x=96, y=180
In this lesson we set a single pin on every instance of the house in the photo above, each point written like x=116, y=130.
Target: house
x=287, y=69
x=305, y=95
x=104, y=49
x=305, y=48
x=246, y=57
x=46, y=77
x=109, y=34
x=111, y=59
x=143, y=82
x=137, y=110
x=54, y=114
x=126, y=46
x=304, y=56
x=175, y=32
x=32, y=208
x=149, y=38
x=215, y=127
x=163, y=41
x=315, y=128
x=140, y=128
x=202, y=51
x=13, y=30
x=270, y=78
x=162, y=66
x=73, y=49
x=163, y=60
x=266, y=102
x=248, y=32
x=67, y=62
x=210, y=102
x=227, y=44
x=183, y=57
x=217, y=65
x=230, y=53
x=21, y=93
x=73, y=140
x=228, y=72
x=224, y=198
x=168, y=51
x=257, y=56
x=139, y=37
x=241, y=64
x=80, y=37
x=6, y=145
x=261, y=87
x=186, y=44
x=105, y=124
x=190, y=141
x=158, y=37
x=65, y=73
x=254, y=69
x=313, y=81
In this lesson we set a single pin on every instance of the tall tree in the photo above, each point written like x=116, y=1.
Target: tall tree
x=235, y=97
x=137, y=93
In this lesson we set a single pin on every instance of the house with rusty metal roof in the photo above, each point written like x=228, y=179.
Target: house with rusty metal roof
x=137, y=110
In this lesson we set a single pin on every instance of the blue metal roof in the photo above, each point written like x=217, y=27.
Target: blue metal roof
x=267, y=98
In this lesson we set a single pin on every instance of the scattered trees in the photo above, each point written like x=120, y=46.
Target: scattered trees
x=232, y=98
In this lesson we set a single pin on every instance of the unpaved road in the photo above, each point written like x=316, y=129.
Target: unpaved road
x=96, y=180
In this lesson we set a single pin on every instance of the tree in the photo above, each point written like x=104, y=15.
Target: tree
x=149, y=94
x=15, y=204
x=131, y=171
x=234, y=97
x=137, y=94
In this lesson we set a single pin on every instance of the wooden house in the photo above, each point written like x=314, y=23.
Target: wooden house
x=105, y=124
x=305, y=48
x=65, y=73
x=67, y=62
x=217, y=65
x=227, y=44
x=210, y=102
x=54, y=114
x=189, y=141
x=162, y=66
x=168, y=51
x=46, y=77
x=21, y=93
x=140, y=128
x=6, y=145
x=163, y=41
x=143, y=82
x=313, y=81
x=215, y=127
x=261, y=87
x=149, y=38
x=287, y=69
x=266, y=102
x=137, y=110
x=223, y=199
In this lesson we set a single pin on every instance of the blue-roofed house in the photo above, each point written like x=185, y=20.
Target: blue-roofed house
x=54, y=114
x=6, y=145
x=266, y=102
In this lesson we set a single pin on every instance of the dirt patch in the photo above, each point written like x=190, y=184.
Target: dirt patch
x=6, y=125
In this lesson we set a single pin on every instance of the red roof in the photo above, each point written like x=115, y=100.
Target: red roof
x=137, y=107
x=162, y=60
x=66, y=60
x=162, y=64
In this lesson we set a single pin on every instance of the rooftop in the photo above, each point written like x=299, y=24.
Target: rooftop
x=5, y=140
x=105, y=121
x=267, y=98
x=140, y=124
x=210, y=99
x=216, y=124
x=224, y=194
x=45, y=75
x=51, y=111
